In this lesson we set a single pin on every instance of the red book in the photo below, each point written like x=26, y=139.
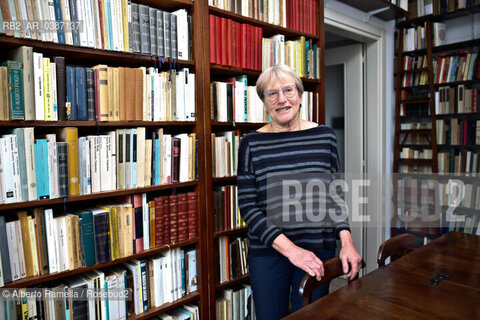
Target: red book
x=259, y=48
x=314, y=17
x=218, y=40
x=249, y=46
x=173, y=218
x=238, y=35
x=224, y=41
x=233, y=44
x=306, y=15
x=244, y=45
x=136, y=201
x=228, y=43
x=182, y=223
x=166, y=219
x=100, y=8
x=192, y=215
x=175, y=159
x=159, y=229
x=211, y=21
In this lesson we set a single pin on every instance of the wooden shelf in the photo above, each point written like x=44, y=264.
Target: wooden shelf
x=451, y=47
x=237, y=125
x=415, y=101
x=438, y=18
x=18, y=124
x=232, y=179
x=469, y=147
x=392, y=12
x=166, y=307
x=417, y=131
x=231, y=232
x=227, y=284
x=413, y=162
x=227, y=71
x=92, y=196
x=25, y=282
x=268, y=29
x=85, y=55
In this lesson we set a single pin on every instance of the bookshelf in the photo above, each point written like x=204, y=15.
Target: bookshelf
x=220, y=72
x=436, y=119
x=203, y=127
x=87, y=57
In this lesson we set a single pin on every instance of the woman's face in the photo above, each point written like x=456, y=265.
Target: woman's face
x=282, y=101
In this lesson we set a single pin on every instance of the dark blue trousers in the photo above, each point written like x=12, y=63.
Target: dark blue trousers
x=275, y=283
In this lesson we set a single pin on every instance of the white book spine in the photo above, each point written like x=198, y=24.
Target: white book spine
x=13, y=250
x=141, y=158
x=90, y=23
x=190, y=101
x=16, y=167
x=167, y=158
x=21, y=252
x=95, y=163
x=115, y=22
x=109, y=171
x=113, y=159
x=149, y=95
x=88, y=179
x=82, y=155
x=119, y=31
x=184, y=147
x=53, y=90
x=156, y=97
x=104, y=172
x=122, y=314
x=2, y=174
x=182, y=34
x=67, y=18
x=30, y=163
x=9, y=190
x=146, y=222
x=2, y=282
x=96, y=23
x=62, y=243
x=24, y=17
x=38, y=85
x=51, y=10
x=180, y=92
x=52, y=176
x=82, y=17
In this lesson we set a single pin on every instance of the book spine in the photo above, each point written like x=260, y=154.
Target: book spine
x=62, y=156
x=60, y=87
x=102, y=239
x=71, y=100
x=41, y=169
x=81, y=93
x=47, y=90
x=15, y=96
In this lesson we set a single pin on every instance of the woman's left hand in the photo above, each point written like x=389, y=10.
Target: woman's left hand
x=348, y=254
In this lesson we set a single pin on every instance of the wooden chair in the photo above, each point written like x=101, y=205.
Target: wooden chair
x=395, y=248
x=332, y=269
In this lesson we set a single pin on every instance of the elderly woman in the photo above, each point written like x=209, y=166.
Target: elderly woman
x=278, y=257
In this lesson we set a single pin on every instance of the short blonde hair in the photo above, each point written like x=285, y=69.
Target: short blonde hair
x=281, y=72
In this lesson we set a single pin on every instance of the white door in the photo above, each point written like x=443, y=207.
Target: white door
x=347, y=59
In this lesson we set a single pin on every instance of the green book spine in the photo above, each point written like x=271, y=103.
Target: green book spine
x=87, y=237
x=15, y=92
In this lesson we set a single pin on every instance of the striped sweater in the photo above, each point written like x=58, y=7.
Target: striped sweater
x=260, y=154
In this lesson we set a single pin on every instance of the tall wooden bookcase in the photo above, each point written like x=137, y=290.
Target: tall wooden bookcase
x=446, y=160
x=205, y=72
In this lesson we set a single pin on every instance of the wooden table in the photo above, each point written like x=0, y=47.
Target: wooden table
x=401, y=290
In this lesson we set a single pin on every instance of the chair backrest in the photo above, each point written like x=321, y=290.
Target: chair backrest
x=395, y=248
x=332, y=269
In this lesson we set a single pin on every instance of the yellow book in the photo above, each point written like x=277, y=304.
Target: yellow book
x=33, y=245
x=103, y=80
x=70, y=242
x=27, y=248
x=126, y=45
x=101, y=3
x=116, y=94
x=148, y=162
x=112, y=217
x=128, y=227
x=47, y=96
x=151, y=206
x=121, y=230
x=77, y=248
x=70, y=136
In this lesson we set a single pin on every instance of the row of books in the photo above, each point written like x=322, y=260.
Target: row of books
x=298, y=15
x=234, y=100
x=45, y=89
x=39, y=243
x=460, y=67
x=415, y=38
x=419, y=8
x=44, y=168
x=411, y=153
x=456, y=100
x=235, y=303
x=302, y=55
x=225, y=208
x=235, y=44
x=231, y=258
x=110, y=25
x=416, y=78
x=466, y=196
x=152, y=282
x=470, y=224
x=225, y=153
x=403, y=168
x=457, y=132
x=458, y=162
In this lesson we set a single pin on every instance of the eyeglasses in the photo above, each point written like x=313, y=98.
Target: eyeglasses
x=288, y=91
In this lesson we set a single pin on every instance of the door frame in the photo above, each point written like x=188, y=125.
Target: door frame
x=374, y=119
